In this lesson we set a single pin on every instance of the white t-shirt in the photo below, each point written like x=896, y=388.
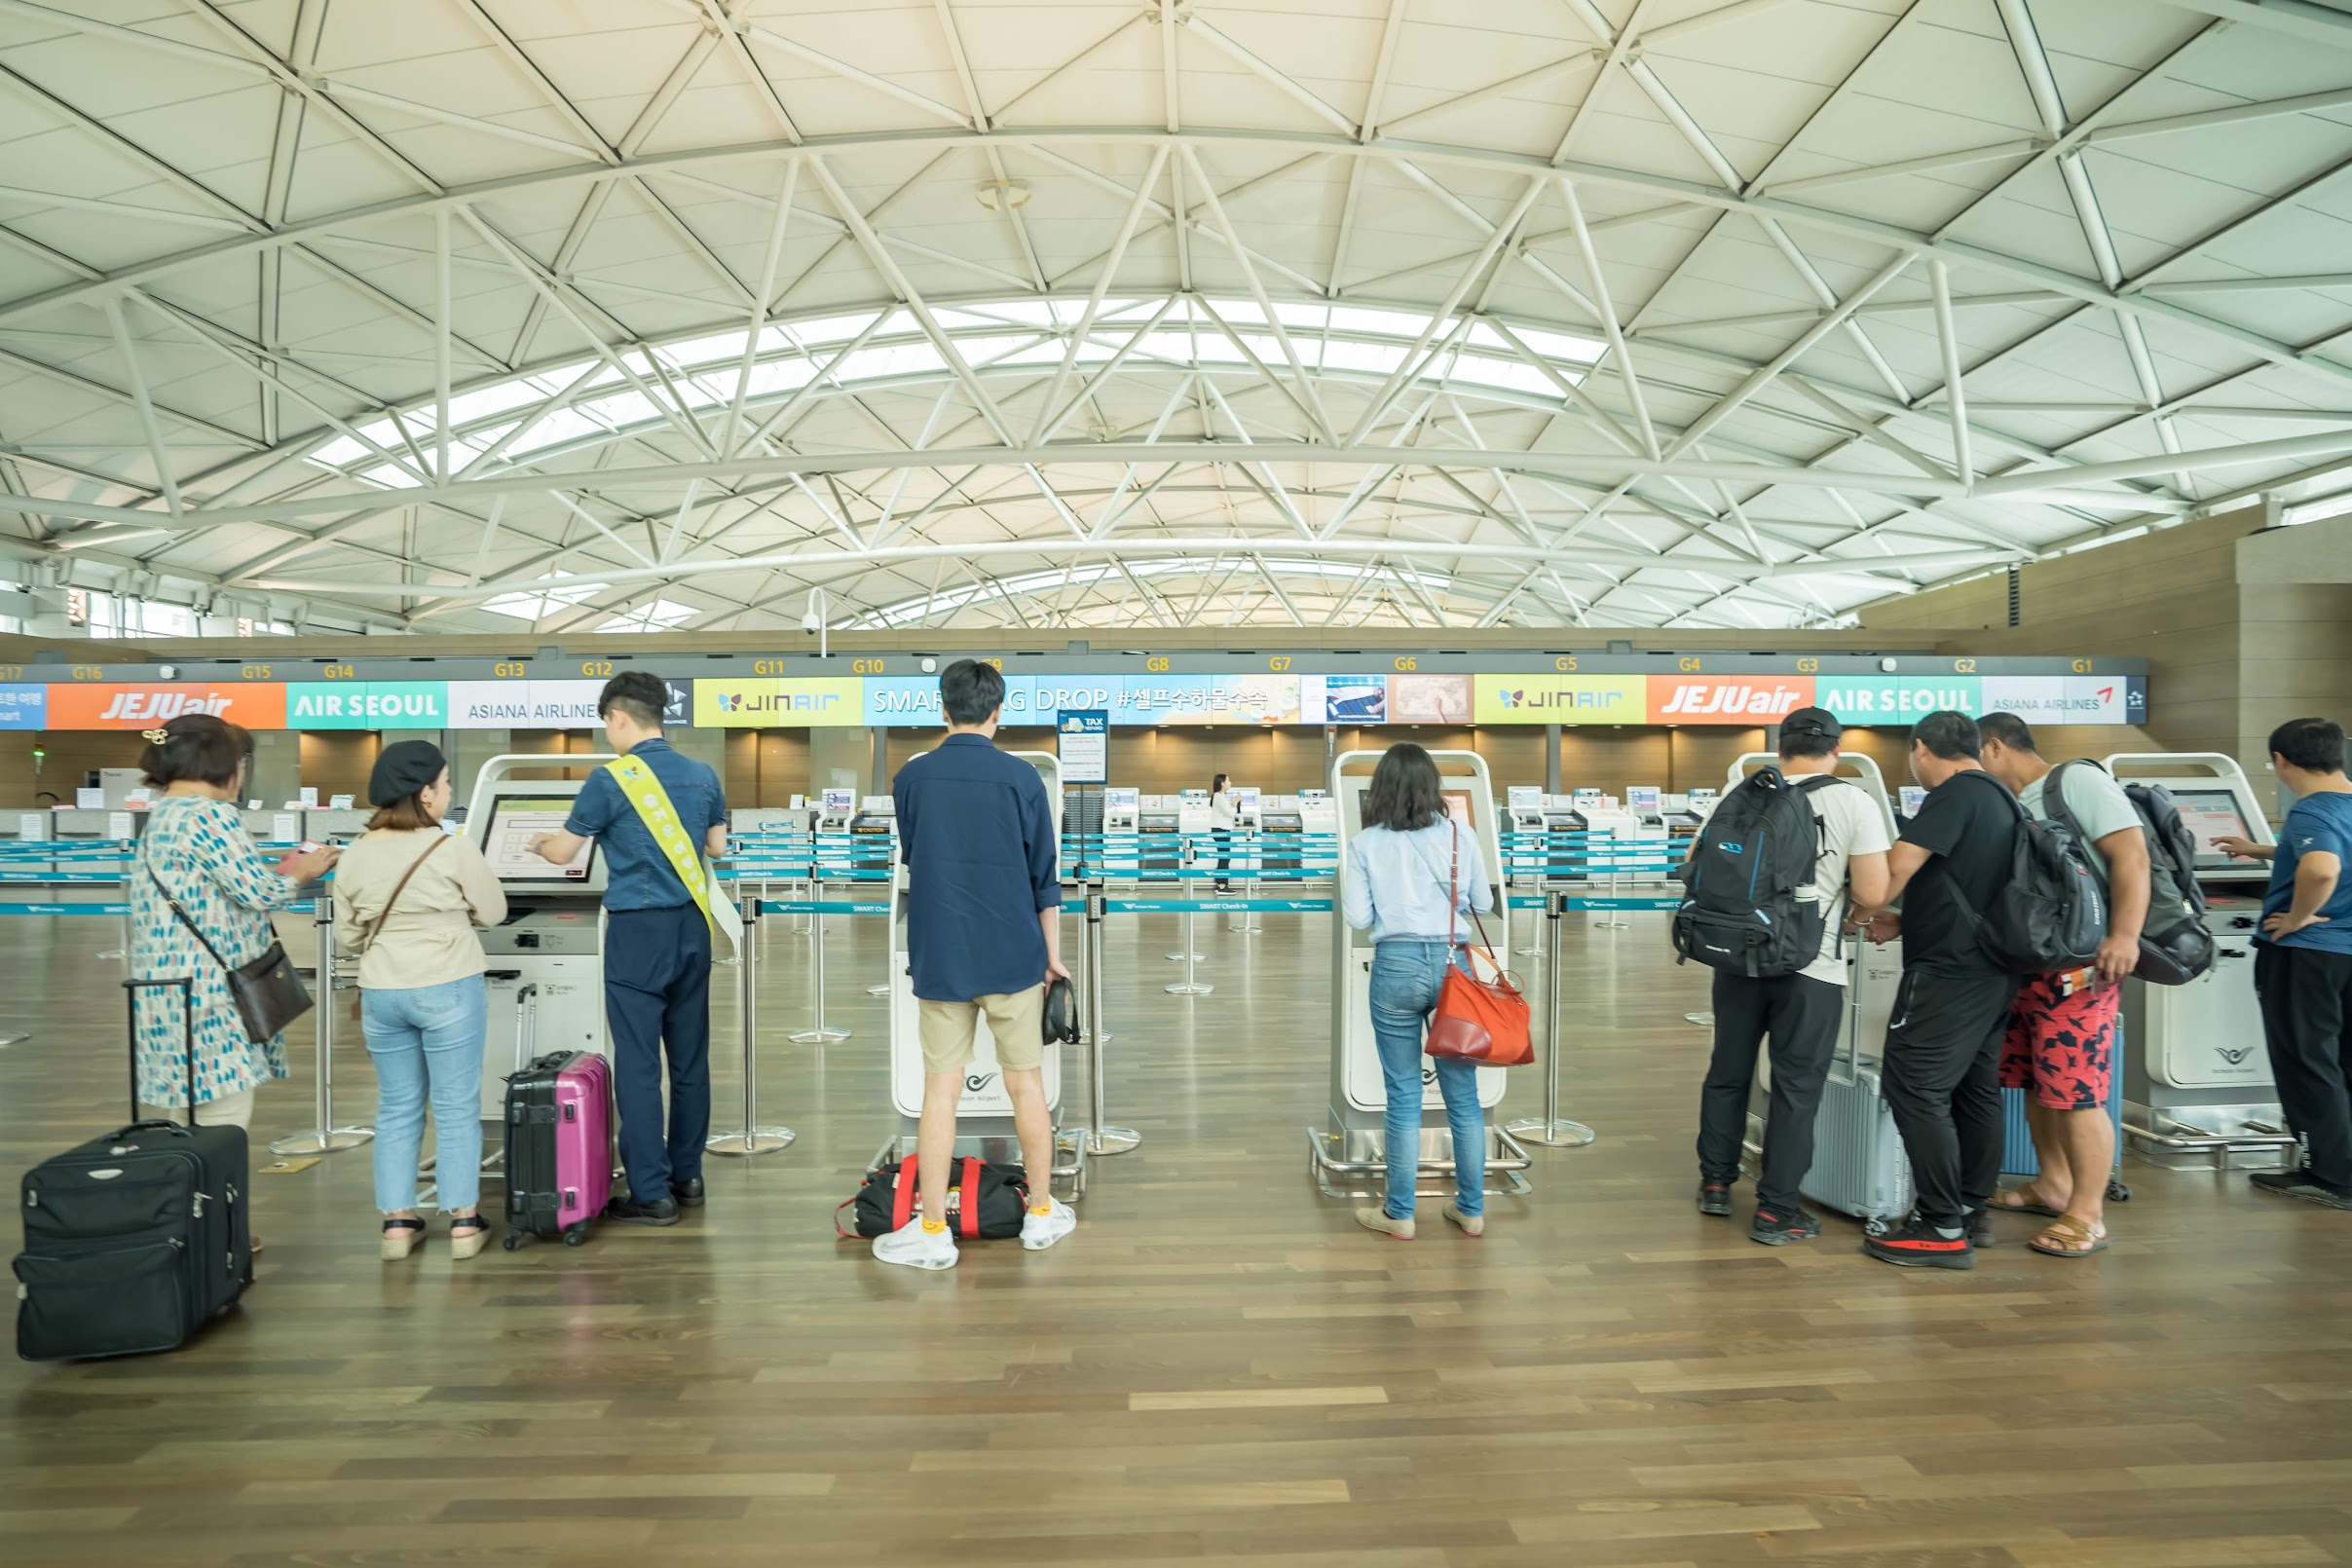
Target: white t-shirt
x=1851, y=825
x=2096, y=804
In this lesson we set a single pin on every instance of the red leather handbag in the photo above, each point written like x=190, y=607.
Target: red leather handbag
x=1480, y=1020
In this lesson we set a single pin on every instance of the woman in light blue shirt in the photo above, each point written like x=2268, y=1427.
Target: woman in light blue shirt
x=1402, y=866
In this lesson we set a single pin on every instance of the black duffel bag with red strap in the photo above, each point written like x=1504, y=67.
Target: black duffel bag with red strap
x=987, y=1202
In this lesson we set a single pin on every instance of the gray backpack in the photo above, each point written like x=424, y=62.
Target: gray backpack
x=2175, y=945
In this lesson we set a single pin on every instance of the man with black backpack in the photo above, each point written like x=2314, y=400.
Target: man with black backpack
x=1941, y=1071
x=1787, y=849
x=2059, y=1046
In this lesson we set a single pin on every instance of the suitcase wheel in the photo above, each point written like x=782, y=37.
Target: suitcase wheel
x=514, y=1241
x=576, y=1235
x=2116, y=1191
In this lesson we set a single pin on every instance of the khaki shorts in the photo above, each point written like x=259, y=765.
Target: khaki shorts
x=1016, y=1020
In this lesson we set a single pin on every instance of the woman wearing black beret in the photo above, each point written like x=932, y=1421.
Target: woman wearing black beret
x=407, y=898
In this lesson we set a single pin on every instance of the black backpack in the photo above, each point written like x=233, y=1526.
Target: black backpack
x=2049, y=915
x=988, y=1201
x=1739, y=910
x=2175, y=945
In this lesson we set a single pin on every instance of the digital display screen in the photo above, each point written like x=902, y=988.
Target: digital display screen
x=514, y=821
x=2212, y=815
x=1913, y=799
x=1643, y=797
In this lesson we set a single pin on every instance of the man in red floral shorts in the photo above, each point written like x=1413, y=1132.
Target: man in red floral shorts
x=2060, y=1048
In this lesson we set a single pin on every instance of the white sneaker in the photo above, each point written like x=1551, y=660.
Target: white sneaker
x=1041, y=1231
x=916, y=1247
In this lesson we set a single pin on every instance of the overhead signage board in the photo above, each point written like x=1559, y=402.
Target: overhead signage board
x=1560, y=699
x=2067, y=699
x=1727, y=699
x=367, y=705
x=827, y=702
x=23, y=707
x=1084, y=745
x=104, y=706
x=1896, y=699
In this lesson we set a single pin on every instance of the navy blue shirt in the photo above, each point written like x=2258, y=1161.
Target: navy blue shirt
x=977, y=834
x=2317, y=822
x=638, y=876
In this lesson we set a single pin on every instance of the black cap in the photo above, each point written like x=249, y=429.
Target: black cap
x=1812, y=722
x=402, y=769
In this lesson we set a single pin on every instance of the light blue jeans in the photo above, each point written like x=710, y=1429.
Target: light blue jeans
x=429, y=1035
x=1405, y=976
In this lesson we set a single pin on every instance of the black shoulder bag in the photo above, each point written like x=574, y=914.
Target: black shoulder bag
x=268, y=993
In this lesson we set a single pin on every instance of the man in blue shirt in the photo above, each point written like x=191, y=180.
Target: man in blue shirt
x=984, y=935
x=2303, y=960
x=658, y=951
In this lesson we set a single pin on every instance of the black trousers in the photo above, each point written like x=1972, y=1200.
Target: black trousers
x=2306, y=999
x=1941, y=1075
x=1799, y=1016
x=658, y=991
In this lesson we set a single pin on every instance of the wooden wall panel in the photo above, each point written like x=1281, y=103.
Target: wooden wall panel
x=337, y=761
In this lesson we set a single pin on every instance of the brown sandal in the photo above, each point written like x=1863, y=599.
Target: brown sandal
x=2069, y=1237
x=2025, y=1200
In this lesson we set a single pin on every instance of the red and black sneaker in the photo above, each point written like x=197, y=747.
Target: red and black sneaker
x=1715, y=1198
x=1776, y=1229
x=1918, y=1245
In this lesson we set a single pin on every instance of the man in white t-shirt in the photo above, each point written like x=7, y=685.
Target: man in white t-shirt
x=1800, y=1013
x=2060, y=1048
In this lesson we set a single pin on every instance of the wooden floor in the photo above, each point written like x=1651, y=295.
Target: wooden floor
x=1219, y=1364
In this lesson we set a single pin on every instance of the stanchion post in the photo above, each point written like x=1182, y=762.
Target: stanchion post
x=753, y=1139
x=1189, y=986
x=324, y=1137
x=1549, y=1130
x=1188, y=957
x=817, y=1032
x=1101, y=1137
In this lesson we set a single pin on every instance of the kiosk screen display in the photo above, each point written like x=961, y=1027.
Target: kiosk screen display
x=2212, y=815
x=514, y=821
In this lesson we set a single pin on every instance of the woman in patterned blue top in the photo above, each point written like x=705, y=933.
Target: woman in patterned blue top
x=196, y=843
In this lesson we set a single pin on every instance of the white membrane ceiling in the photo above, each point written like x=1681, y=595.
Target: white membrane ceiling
x=656, y=314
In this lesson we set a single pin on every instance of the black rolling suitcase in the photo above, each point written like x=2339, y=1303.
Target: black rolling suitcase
x=134, y=1240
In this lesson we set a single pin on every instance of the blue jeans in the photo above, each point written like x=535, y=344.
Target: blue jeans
x=1405, y=976
x=429, y=1035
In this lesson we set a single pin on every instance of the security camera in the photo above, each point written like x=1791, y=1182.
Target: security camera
x=811, y=622
x=930, y=666
x=167, y=672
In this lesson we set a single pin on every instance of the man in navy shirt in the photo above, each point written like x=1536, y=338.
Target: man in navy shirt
x=658, y=951
x=2302, y=959
x=984, y=934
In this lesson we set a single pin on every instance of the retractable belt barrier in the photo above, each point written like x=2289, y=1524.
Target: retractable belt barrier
x=751, y=1138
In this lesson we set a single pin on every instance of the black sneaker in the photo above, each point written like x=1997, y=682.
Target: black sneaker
x=1775, y=1229
x=2300, y=1182
x=1715, y=1198
x=1979, y=1227
x=1917, y=1245
x=629, y=1211
x=687, y=1194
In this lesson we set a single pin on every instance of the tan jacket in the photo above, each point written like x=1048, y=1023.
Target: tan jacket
x=429, y=938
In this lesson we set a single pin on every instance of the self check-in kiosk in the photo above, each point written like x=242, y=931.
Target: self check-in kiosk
x=1281, y=826
x=2196, y=1078
x=1349, y=1152
x=984, y=1116
x=547, y=957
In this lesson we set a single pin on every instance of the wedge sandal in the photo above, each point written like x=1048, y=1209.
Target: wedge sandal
x=2069, y=1237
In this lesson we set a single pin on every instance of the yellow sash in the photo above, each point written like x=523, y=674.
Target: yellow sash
x=644, y=792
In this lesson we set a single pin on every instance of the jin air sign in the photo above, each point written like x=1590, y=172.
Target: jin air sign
x=1560, y=699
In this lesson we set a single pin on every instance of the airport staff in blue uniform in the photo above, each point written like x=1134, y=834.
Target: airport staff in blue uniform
x=658, y=951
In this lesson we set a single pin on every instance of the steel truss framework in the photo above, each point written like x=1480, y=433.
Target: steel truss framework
x=1374, y=335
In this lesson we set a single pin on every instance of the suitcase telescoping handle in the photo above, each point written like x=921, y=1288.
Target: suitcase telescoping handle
x=186, y=987
x=526, y=1024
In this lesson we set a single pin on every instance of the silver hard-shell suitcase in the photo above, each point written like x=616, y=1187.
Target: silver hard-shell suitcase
x=1859, y=1166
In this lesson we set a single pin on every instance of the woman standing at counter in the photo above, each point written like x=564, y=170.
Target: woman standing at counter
x=407, y=898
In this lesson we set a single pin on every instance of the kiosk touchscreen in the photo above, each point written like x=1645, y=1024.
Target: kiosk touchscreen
x=1349, y=1153
x=984, y=1117
x=547, y=958
x=2193, y=1059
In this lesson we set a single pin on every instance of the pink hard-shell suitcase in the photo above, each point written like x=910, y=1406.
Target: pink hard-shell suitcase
x=559, y=1146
